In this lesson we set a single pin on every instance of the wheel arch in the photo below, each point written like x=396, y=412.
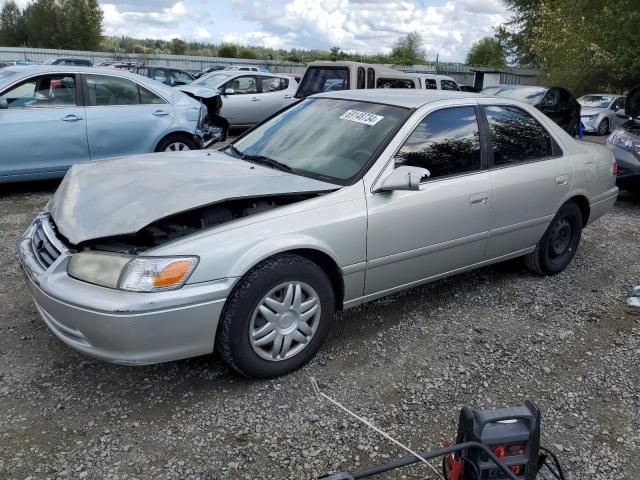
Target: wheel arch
x=172, y=133
x=583, y=204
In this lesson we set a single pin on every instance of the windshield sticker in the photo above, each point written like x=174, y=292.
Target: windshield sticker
x=361, y=117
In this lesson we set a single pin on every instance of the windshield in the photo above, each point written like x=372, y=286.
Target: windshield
x=328, y=139
x=213, y=80
x=491, y=90
x=323, y=79
x=526, y=94
x=597, y=101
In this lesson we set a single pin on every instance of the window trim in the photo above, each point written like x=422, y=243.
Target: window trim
x=79, y=97
x=483, y=144
x=85, y=91
x=556, y=150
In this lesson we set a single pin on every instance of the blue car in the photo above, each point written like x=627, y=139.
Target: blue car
x=52, y=117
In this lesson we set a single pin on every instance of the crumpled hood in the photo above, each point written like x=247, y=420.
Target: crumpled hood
x=199, y=92
x=632, y=104
x=120, y=196
x=588, y=111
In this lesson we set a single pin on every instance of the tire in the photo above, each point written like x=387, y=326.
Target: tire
x=176, y=143
x=603, y=128
x=243, y=313
x=559, y=243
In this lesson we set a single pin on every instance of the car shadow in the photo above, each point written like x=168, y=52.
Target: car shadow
x=32, y=187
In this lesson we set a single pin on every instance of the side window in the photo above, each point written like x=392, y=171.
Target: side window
x=564, y=98
x=361, y=78
x=180, y=78
x=449, y=85
x=243, y=85
x=109, y=91
x=394, y=83
x=42, y=92
x=551, y=98
x=445, y=142
x=516, y=136
x=143, y=71
x=160, y=75
x=430, y=84
x=371, y=78
x=147, y=97
x=274, y=84
x=619, y=103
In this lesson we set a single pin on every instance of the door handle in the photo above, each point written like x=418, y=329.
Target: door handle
x=562, y=180
x=288, y=96
x=160, y=113
x=254, y=99
x=71, y=118
x=478, y=199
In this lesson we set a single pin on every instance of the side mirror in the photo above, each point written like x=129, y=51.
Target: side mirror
x=404, y=178
x=3, y=103
x=229, y=91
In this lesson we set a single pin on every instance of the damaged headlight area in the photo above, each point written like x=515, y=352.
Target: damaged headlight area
x=623, y=140
x=130, y=273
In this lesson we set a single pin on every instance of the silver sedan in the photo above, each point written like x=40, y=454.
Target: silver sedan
x=339, y=200
x=598, y=112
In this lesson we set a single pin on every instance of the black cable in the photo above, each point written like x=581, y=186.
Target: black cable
x=475, y=467
x=559, y=474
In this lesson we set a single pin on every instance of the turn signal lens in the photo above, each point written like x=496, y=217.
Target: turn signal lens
x=615, y=168
x=152, y=274
x=173, y=274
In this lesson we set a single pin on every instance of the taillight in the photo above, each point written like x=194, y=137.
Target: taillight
x=615, y=168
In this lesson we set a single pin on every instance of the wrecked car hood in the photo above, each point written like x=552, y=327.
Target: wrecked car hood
x=120, y=196
x=632, y=103
x=199, y=92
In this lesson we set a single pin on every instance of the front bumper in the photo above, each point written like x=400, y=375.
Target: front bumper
x=123, y=327
x=590, y=124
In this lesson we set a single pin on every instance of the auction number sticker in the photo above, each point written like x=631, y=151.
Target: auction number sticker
x=361, y=117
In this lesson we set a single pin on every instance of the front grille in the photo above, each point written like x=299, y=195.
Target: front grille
x=46, y=247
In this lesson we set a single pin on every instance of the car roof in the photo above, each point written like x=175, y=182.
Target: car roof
x=400, y=97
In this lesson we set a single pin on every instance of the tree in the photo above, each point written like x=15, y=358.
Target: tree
x=178, y=46
x=228, y=51
x=247, y=53
x=44, y=25
x=83, y=20
x=12, y=31
x=487, y=52
x=408, y=50
x=517, y=35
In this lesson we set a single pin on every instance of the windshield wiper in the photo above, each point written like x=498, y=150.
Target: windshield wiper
x=269, y=162
x=234, y=151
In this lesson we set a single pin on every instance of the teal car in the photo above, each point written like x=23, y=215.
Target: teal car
x=52, y=117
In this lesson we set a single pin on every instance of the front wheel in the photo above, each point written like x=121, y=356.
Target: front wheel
x=603, y=128
x=277, y=317
x=559, y=243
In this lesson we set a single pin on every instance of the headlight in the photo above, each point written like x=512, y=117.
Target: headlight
x=589, y=117
x=621, y=139
x=134, y=274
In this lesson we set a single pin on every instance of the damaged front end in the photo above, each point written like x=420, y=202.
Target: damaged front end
x=189, y=222
x=212, y=127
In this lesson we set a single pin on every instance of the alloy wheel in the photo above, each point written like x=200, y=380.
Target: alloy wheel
x=177, y=147
x=285, y=321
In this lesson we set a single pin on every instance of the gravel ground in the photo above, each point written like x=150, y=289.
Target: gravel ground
x=489, y=338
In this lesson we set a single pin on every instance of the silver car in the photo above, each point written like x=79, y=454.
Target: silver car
x=339, y=200
x=598, y=112
x=248, y=98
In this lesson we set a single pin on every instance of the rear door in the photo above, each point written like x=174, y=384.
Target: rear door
x=45, y=127
x=530, y=177
x=123, y=117
x=276, y=94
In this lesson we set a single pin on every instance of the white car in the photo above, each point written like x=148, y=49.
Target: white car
x=437, y=82
x=598, y=112
x=248, y=97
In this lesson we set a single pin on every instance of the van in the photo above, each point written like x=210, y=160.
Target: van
x=437, y=82
x=324, y=76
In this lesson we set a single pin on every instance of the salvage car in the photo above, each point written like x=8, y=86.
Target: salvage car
x=247, y=98
x=341, y=199
x=322, y=76
x=598, y=112
x=167, y=75
x=555, y=102
x=624, y=142
x=52, y=117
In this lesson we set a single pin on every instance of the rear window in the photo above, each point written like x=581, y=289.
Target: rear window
x=323, y=79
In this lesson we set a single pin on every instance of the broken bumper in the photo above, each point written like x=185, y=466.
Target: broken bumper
x=123, y=327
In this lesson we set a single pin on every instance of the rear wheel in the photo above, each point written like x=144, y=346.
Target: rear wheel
x=603, y=128
x=277, y=318
x=176, y=143
x=559, y=243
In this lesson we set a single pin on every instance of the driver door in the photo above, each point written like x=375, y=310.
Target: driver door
x=242, y=107
x=414, y=236
x=44, y=127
